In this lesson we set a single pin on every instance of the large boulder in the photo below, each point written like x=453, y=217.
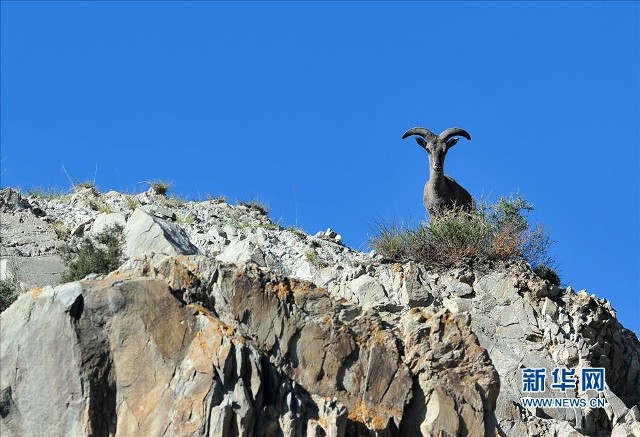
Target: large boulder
x=147, y=233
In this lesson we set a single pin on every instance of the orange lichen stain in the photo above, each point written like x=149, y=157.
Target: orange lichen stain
x=225, y=329
x=202, y=344
x=378, y=336
x=199, y=310
x=219, y=325
x=367, y=416
x=186, y=277
x=280, y=289
x=447, y=318
x=323, y=422
x=304, y=287
x=328, y=320
x=285, y=288
x=36, y=292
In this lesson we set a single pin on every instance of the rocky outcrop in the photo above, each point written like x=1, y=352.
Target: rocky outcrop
x=224, y=323
x=194, y=347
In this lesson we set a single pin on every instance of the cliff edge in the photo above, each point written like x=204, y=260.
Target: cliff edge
x=222, y=323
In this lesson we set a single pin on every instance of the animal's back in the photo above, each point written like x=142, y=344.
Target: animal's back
x=439, y=199
x=462, y=197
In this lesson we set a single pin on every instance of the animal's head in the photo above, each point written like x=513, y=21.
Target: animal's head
x=436, y=146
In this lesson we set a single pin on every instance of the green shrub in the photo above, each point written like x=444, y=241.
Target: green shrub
x=500, y=232
x=100, y=254
x=8, y=293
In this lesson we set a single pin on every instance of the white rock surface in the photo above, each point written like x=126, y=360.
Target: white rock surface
x=150, y=234
x=519, y=319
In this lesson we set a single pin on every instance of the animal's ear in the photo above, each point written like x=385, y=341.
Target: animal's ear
x=422, y=143
x=452, y=142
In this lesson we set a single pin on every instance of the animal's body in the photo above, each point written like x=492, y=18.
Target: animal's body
x=441, y=193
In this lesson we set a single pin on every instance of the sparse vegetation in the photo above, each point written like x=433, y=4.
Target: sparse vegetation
x=315, y=259
x=45, y=193
x=8, y=293
x=256, y=204
x=173, y=202
x=298, y=231
x=548, y=273
x=217, y=199
x=186, y=219
x=84, y=185
x=100, y=254
x=61, y=230
x=97, y=204
x=159, y=187
x=499, y=232
x=104, y=208
x=131, y=202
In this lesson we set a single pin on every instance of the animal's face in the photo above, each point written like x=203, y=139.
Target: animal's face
x=437, y=151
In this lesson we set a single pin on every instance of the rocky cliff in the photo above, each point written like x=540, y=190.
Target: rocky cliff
x=223, y=323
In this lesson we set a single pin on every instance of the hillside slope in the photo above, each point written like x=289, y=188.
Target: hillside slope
x=223, y=323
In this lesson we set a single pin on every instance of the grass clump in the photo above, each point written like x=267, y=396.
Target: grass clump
x=99, y=254
x=61, y=230
x=80, y=186
x=186, y=219
x=173, y=202
x=98, y=204
x=131, y=202
x=8, y=293
x=216, y=199
x=160, y=188
x=500, y=231
x=256, y=204
x=315, y=259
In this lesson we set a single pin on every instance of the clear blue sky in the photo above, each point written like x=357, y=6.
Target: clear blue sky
x=303, y=104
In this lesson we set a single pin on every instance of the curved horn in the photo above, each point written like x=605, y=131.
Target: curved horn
x=453, y=132
x=420, y=131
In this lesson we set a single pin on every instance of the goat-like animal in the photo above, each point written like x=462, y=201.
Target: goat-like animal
x=441, y=193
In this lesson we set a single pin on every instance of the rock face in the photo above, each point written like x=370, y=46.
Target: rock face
x=267, y=356
x=222, y=323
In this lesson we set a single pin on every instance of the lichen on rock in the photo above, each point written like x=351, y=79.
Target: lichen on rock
x=223, y=325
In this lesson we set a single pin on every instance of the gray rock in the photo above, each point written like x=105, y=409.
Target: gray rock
x=106, y=220
x=11, y=200
x=159, y=211
x=367, y=290
x=335, y=352
x=34, y=271
x=146, y=234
